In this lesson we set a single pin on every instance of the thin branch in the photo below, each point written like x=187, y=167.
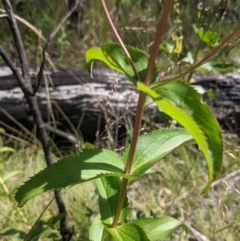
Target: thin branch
x=29, y=25
x=199, y=236
x=50, y=38
x=119, y=39
x=63, y=20
x=17, y=123
x=63, y=134
x=40, y=73
x=18, y=41
x=25, y=84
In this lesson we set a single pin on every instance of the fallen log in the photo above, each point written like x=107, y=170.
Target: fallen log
x=224, y=98
x=71, y=98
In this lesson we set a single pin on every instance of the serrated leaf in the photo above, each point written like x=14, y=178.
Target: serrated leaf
x=97, y=230
x=109, y=188
x=181, y=102
x=113, y=55
x=158, y=228
x=154, y=146
x=128, y=232
x=90, y=164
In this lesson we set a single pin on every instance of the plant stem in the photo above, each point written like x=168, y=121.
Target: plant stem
x=140, y=107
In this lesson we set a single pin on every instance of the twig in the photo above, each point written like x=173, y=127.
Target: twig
x=119, y=39
x=40, y=73
x=199, y=236
x=63, y=20
x=17, y=123
x=63, y=134
x=18, y=43
x=13, y=137
x=26, y=23
x=24, y=82
x=50, y=38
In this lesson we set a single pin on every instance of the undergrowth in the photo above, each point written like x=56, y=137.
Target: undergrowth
x=170, y=187
x=175, y=176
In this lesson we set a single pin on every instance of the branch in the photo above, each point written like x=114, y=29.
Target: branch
x=18, y=41
x=25, y=84
x=199, y=236
x=22, y=83
x=50, y=38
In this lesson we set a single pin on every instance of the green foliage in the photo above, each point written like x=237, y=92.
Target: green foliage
x=113, y=172
x=208, y=37
x=179, y=101
x=13, y=233
x=184, y=104
x=114, y=56
x=128, y=232
x=159, y=228
x=153, y=146
x=90, y=164
x=97, y=230
x=108, y=188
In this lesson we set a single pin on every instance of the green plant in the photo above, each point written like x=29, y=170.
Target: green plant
x=63, y=42
x=113, y=173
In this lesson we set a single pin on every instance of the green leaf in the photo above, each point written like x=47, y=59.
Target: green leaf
x=208, y=37
x=167, y=47
x=109, y=188
x=53, y=220
x=158, y=228
x=90, y=164
x=154, y=146
x=128, y=232
x=181, y=102
x=39, y=229
x=222, y=66
x=113, y=55
x=97, y=230
x=13, y=233
x=96, y=53
x=6, y=149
